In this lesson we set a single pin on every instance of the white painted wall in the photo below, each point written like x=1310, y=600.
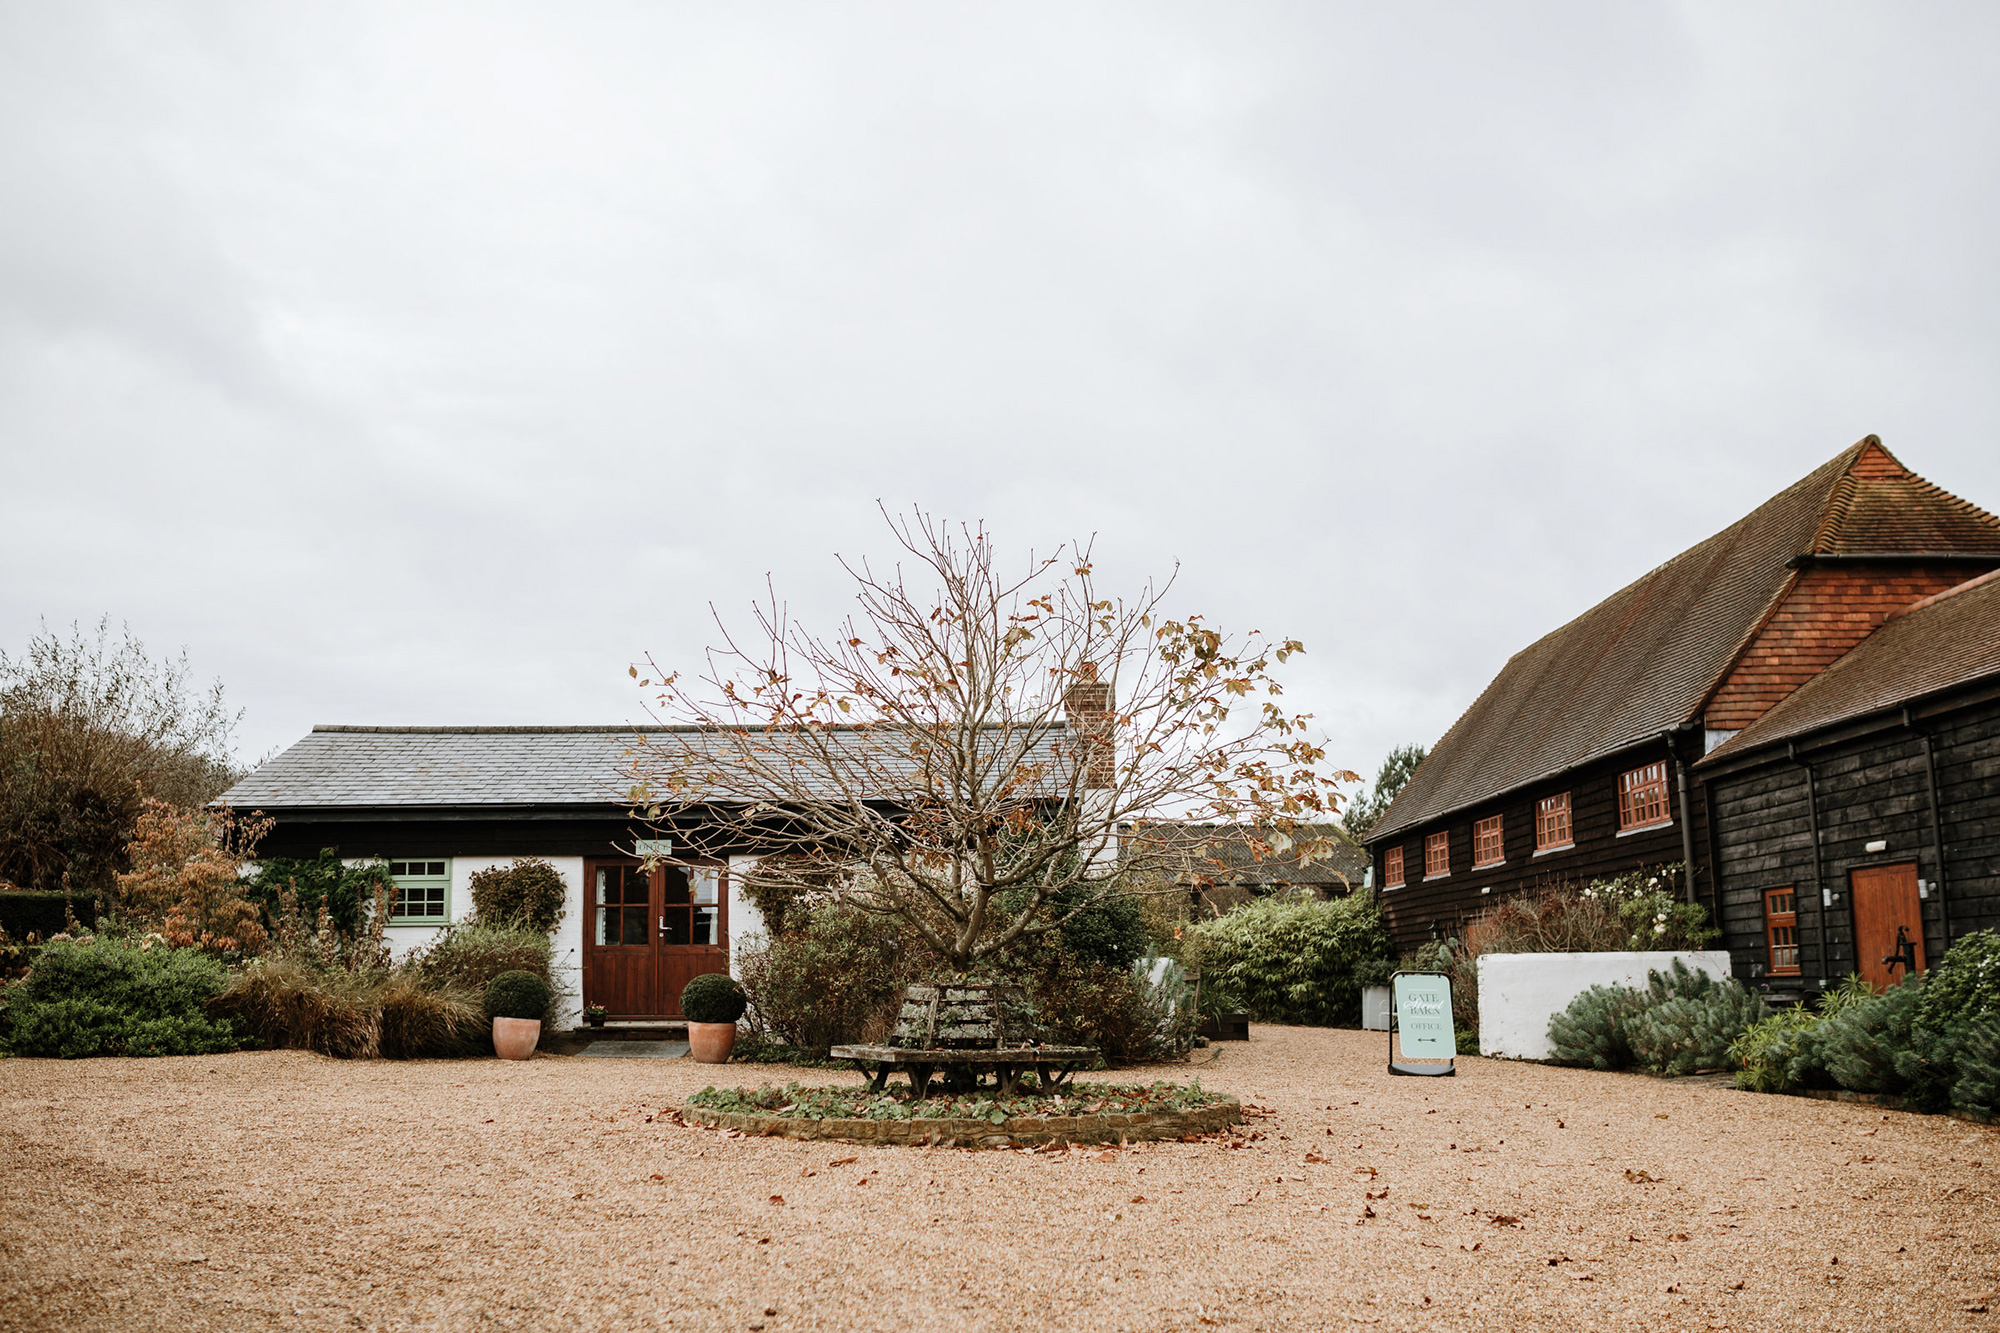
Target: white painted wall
x=1520, y=992
x=746, y=923
x=567, y=960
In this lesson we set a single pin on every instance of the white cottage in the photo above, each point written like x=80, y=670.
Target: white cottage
x=441, y=803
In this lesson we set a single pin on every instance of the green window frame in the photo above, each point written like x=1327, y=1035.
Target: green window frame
x=423, y=890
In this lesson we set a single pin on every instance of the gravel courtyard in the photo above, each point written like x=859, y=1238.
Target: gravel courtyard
x=277, y=1190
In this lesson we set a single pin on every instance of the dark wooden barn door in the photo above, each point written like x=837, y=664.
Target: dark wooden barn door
x=1888, y=924
x=649, y=932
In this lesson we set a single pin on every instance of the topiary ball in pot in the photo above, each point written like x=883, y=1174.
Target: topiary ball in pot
x=711, y=1004
x=516, y=1002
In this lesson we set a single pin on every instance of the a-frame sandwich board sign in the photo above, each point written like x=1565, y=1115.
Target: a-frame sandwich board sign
x=1421, y=1038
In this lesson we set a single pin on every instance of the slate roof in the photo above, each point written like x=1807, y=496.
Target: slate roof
x=1647, y=658
x=404, y=767
x=1222, y=853
x=1940, y=643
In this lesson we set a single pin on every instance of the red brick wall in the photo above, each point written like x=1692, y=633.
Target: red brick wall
x=1825, y=612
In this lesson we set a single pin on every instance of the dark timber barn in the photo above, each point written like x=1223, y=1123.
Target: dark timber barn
x=1582, y=758
x=1857, y=823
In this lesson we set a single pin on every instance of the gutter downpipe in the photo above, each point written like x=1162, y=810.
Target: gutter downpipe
x=1687, y=825
x=1937, y=827
x=1819, y=881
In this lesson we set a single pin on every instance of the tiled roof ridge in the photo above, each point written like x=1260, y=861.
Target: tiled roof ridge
x=604, y=730
x=1863, y=475
x=1988, y=577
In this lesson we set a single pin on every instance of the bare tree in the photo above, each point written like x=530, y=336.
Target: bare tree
x=980, y=756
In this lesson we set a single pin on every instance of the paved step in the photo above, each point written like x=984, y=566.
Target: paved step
x=637, y=1050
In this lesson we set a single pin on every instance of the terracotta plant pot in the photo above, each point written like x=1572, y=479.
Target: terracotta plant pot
x=711, y=1043
x=515, y=1038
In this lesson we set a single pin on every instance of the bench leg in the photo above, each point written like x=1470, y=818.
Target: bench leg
x=920, y=1081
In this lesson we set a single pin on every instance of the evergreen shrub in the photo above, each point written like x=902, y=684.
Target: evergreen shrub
x=530, y=893
x=1688, y=1033
x=110, y=997
x=1295, y=959
x=713, y=997
x=518, y=995
x=1978, y=1086
x=834, y=975
x=1965, y=985
x=1682, y=1021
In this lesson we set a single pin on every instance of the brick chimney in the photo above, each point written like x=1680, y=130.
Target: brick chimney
x=1087, y=710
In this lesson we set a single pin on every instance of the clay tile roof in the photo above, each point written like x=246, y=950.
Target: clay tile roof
x=1646, y=658
x=1880, y=506
x=1223, y=854
x=1940, y=643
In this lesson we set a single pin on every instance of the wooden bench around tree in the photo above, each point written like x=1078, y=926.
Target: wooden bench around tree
x=962, y=1032
x=963, y=1070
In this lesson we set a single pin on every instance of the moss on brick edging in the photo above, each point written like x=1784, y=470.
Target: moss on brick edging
x=1018, y=1130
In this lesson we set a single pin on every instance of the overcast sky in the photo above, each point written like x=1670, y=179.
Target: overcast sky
x=422, y=364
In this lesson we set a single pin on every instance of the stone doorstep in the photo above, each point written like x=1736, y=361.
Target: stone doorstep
x=1138, y=1126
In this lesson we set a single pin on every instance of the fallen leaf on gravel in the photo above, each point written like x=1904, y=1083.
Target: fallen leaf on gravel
x=1312, y=1157
x=1369, y=1171
x=1108, y=1155
x=1470, y=1248
x=843, y=1161
x=1560, y=1259
x=1678, y=1235
x=1138, y=1198
x=1641, y=1177
x=1736, y=1286
x=778, y=1200
x=1382, y=1193
x=1366, y=1211
x=1505, y=1220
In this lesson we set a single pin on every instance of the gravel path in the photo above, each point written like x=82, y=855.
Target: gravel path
x=277, y=1190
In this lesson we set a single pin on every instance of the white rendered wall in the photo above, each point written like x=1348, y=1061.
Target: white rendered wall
x=567, y=958
x=746, y=923
x=1520, y=992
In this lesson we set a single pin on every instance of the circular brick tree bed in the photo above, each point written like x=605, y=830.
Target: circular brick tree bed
x=1088, y=1113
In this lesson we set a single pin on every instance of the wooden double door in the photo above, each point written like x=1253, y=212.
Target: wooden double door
x=650, y=932
x=1888, y=923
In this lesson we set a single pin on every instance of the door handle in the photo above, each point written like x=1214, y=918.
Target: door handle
x=663, y=925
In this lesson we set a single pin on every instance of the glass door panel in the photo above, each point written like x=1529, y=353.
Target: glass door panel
x=622, y=902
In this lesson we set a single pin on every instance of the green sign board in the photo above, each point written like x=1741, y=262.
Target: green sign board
x=1422, y=1021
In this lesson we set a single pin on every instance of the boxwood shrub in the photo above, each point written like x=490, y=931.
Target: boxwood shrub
x=517, y=995
x=713, y=997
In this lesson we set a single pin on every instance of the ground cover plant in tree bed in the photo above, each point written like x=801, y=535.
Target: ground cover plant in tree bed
x=861, y=1103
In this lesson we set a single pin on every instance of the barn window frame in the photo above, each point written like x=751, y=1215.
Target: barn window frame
x=1489, y=842
x=1554, y=829
x=1781, y=931
x=1437, y=852
x=1392, y=867
x=1642, y=798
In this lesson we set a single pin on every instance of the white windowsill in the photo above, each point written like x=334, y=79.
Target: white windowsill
x=1560, y=847
x=1445, y=874
x=1490, y=865
x=1646, y=828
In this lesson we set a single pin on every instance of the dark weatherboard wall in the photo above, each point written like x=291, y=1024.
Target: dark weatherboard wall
x=1422, y=910
x=1871, y=781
